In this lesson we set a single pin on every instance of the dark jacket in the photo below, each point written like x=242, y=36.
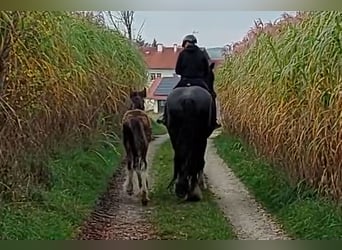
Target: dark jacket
x=192, y=63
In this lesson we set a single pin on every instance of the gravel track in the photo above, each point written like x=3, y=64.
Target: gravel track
x=118, y=216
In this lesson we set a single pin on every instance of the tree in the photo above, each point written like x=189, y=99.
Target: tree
x=123, y=22
x=140, y=41
x=154, y=43
x=95, y=17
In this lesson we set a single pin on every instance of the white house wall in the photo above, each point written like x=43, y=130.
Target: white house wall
x=151, y=104
x=163, y=72
x=155, y=107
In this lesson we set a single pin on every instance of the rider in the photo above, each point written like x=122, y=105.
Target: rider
x=193, y=67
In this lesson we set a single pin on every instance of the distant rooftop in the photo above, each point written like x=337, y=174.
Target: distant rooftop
x=216, y=53
x=162, y=57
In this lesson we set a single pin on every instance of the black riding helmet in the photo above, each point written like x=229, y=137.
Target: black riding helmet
x=189, y=38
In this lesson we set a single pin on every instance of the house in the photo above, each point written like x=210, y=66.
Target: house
x=160, y=89
x=160, y=60
x=161, y=63
x=216, y=55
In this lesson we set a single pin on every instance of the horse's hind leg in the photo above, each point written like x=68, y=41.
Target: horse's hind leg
x=201, y=181
x=176, y=164
x=144, y=188
x=197, y=179
x=129, y=182
x=201, y=165
x=195, y=193
x=138, y=171
x=201, y=177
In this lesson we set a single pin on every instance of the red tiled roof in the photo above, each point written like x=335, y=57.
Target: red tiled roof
x=165, y=59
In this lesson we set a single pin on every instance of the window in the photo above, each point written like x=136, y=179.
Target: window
x=161, y=105
x=158, y=75
x=153, y=76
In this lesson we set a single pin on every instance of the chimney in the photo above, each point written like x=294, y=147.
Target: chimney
x=175, y=47
x=160, y=47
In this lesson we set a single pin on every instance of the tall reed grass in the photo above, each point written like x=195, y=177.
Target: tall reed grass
x=280, y=89
x=63, y=78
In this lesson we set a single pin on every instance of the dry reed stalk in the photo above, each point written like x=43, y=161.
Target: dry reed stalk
x=67, y=79
x=280, y=89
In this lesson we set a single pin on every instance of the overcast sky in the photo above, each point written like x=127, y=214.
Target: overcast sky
x=215, y=28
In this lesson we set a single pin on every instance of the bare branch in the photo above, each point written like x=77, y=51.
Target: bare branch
x=112, y=20
x=140, y=29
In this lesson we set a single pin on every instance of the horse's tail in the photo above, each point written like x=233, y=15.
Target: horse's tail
x=189, y=108
x=189, y=116
x=135, y=135
x=129, y=138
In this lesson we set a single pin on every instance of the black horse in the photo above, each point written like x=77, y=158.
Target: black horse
x=189, y=124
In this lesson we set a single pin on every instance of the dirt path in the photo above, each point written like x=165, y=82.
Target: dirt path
x=250, y=221
x=118, y=216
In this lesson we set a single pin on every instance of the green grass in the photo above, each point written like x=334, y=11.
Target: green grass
x=183, y=220
x=79, y=177
x=158, y=129
x=303, y=213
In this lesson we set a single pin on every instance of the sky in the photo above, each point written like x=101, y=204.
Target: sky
x=214, y=28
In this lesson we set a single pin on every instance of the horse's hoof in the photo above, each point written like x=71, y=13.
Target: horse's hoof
x=181, y=190
x=180, y=194
x=203, y=185
x=144, y=202
x=144, y=198
x=193, y=198
x=195, y=195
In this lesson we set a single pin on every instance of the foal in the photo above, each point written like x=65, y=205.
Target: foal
x=137, y=134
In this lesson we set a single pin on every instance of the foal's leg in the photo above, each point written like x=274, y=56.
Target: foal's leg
x=129, y=161
x=129, y=182
x=137, y=167
x=144, y=177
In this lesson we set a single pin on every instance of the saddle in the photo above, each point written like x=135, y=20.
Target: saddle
x=188, y=82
